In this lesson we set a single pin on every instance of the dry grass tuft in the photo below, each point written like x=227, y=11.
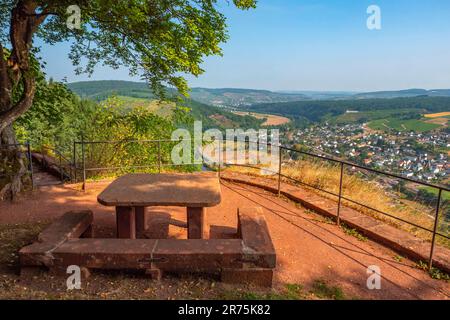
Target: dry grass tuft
x=360, y=188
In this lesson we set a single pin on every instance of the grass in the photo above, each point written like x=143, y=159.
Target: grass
x=323, y=291
x=319, y=290
x=402, y=125
x=371, y=115
x=434, y=273
x=353, y=233
x=324, y=175
x=445, y=194
x=288, y=292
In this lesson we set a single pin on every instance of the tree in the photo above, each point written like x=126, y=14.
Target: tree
x=156, y=39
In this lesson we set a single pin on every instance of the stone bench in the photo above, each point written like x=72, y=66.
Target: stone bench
x=250, y=258
x=259, y=257
x=71, y=225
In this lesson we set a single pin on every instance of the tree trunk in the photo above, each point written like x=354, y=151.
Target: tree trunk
x=14, y=70
x=13, y=165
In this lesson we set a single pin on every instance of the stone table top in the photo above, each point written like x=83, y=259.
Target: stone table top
x=165, y=189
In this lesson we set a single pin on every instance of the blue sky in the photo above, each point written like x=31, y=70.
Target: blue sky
x=317, y=45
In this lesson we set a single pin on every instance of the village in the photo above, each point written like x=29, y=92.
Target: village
x=422, y=156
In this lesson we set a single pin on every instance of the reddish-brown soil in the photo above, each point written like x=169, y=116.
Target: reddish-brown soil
x=309, y=247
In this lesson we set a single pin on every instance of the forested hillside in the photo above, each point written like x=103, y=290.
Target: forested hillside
x=100, y=90
x=138, y=94
x=229, y=97
x=321, y=110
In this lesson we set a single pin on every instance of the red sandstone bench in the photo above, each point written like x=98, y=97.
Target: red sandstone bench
x=248, y=259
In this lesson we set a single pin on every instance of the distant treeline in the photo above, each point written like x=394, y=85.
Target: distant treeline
x=316, y=111
x=101, y=90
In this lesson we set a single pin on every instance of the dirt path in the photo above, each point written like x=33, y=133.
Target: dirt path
x=308, y=247
x=43, y=178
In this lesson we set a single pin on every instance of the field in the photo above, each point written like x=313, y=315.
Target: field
x=438, y=115
x=442, y=121
x=271, y=120
x=403, y=125
x=445, y=194
x=365, y=116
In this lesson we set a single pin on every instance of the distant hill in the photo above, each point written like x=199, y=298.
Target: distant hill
x=99, y=90
x=319, y=110
x=403, y=94
x=231, y=97
x=324, y=95
x=138, y=93
x=241, y=98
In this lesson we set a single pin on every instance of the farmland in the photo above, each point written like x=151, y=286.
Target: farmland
x=366, y=116
x=434, y=191
x=270, y=119
x=437, y=115
x=402, y=125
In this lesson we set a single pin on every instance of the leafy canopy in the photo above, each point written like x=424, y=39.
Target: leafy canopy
x=160, y=40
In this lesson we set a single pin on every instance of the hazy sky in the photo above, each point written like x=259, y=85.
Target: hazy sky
x=318, y=45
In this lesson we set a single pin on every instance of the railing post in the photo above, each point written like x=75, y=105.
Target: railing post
x=30, y=164
x=159, y=156
x=436, y=222
x=74, y=162
x=220, y=157
x=338, y=215
x=279, y=169
x=83, y=164
x=44, y=161
x=60, y=168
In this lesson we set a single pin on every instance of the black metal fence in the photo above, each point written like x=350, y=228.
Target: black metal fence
x=340, y=197
x=90, y=157
x=153, y=159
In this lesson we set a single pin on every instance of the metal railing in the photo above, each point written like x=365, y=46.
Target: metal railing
x=343, y=163
x=81, y=147
x=79, y=151
x=64, y=165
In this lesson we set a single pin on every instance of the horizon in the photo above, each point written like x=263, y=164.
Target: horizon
x=285, y=91
x=315, y=46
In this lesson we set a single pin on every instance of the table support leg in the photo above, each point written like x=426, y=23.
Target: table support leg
x=195, y=222
x=126, y=223
x=140, y=220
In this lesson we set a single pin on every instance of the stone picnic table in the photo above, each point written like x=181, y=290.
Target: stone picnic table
x=132, y=193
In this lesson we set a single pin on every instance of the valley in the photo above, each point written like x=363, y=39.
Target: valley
x=406, y=133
